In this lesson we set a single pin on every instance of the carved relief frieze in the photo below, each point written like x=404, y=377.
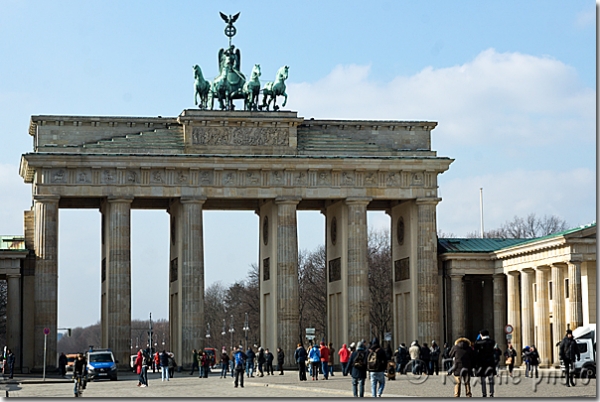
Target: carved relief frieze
x=392, y=179
x=83, y=176
x=370, y=179
x=417, y=179
x=108, y=176
x=58, y=176
x=277, y=178
x=205, y=177
x=182, y=177
x=324, y=178
x=229, y=178
x=300, y=179
x=348, y=179
x=157, y=177
x=252, y=136
x=252, y=178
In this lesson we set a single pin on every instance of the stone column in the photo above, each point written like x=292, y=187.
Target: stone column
x=527, y=328
x=287, y=278
x=427, y=270
x=558, y=310
x=514, y=310
x=118, y=277
x=359, y=297
x=457, y=304
x=46, y=278
x=13, y=315
x=191, y=277
x=576, y=311
x=542, y=320
x=499, y=307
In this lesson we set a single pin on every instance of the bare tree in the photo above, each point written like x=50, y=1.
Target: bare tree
x=380, y=282
x=312, y=290
x=526, y=228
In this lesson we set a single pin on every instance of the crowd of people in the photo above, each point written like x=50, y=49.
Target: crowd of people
x=463, y=360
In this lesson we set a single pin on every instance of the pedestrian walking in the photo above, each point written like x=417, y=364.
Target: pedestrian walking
x=324, y=351
x=401, y=357
x=172, y=364
x=358, y=370
x=497, y=356
x=415, y=352
x=331, y=362
x=250, y=355
x=446, y=360
x=425, y=357
x=376, y=364
x=10, y=361
x=269, y=361
x=510, y=355
x=462, y=354
x=534, y=360
x=280, y=360
x=260, y=359
x=164, y=365
x=300, y=357
x=434, y=362
x=484, y=361
x=344, y=354
x=569, y=352
x=194, y=361
x=156, y=363
x=239, y=359
x=224, y=363
x=314, y=356
x=62, y=364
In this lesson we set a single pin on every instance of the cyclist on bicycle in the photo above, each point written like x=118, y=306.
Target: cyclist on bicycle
x=79, y=372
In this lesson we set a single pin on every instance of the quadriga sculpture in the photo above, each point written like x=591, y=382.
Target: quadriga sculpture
x=201, y=88
x=252, y=89
x=275, y=89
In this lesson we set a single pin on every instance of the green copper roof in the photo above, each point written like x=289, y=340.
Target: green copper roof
x=475, y=245
x=12, y=243
x=486, y=245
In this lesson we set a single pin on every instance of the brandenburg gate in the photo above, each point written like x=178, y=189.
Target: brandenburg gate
x=274, y=163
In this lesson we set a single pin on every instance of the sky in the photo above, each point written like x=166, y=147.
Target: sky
x=512, y=85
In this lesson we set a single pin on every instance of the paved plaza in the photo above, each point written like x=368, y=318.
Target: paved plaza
x=288, y=386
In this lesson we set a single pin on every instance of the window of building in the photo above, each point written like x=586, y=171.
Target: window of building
x=535, y=292
x=566, y=288
x=550, y=290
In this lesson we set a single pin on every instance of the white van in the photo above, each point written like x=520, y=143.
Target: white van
x=585, y=336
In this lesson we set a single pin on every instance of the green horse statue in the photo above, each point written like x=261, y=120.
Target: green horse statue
x=252, y=89
x=229, y=84
x=201, y=88
x=275, y=89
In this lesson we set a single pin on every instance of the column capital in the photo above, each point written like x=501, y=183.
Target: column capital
x=513, y=273
x=543, y=268
x=120, y=198
x=48, y=198
x=358, y=201
x=288, y=200
x=13, y=275
x=574, y=262
x=499, y=275
x=528, y=270
x=192, y=200
x=456, y=276
x=428, y=201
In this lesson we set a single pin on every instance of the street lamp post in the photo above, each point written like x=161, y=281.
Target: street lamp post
x=246, y=329
x=231, y=331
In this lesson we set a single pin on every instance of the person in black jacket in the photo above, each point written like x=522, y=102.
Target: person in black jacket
x=300, y=357
x=426, y=358
x=269, y=361
x=484, y=360
x=280, y=359
x=463, y=365
x=568, y=353
x=377, y=373
x=260, y=359
x=533, y=357
x=250, y=362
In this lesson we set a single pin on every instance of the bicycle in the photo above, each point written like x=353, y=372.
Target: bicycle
x=80, y=380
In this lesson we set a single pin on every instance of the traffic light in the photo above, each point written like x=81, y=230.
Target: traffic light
x=69, y=332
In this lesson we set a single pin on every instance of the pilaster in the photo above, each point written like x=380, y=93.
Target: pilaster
x=576, y=310
x=499, y=306
x=514, y=310
x=13, y=315
x=558, y=308
x=527, y=331
x=427, y=270
x=46, y=277
x=457, y=303
x=542, y=320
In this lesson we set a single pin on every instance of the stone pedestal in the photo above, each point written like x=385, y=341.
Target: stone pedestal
x=499, y=307
x=576, y=310
x=527, y=325
x=542, y=320
x=514, y=311
x=558, y=310
x=359, y=298
x=427, y=270
x=46, y=278
x=457, y=305
x=117, y=243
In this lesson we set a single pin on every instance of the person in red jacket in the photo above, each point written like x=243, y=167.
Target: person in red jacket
x=324, y=351
x=344, y=354
x=139, y=362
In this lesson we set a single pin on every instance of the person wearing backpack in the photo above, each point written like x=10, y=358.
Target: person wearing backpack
x=358, y=370
x=239, y=359
x=300, y=358
x=484, y=361
x=376, y=364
